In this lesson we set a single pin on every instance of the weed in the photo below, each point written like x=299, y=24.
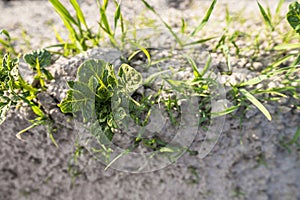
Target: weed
x=38, y=61
x=80, y=35
x=293, y=16
x=15, y=92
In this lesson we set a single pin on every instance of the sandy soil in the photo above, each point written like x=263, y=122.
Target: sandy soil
x=246, y=163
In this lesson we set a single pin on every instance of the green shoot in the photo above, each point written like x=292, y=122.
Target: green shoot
x=205, y=19
x=255, y=102
x=80, y=36
x=267, y=17
x=293, y=16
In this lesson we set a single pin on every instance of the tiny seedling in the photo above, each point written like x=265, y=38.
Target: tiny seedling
x=6, y=44
x=38, y=61
x=293, y=16
x=176, y=36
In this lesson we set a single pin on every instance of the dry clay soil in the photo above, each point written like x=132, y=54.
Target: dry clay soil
x=246, y=163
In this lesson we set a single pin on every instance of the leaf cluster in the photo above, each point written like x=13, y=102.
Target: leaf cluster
x=38, y=61
x=99, y=95
x=14, y=90
x=293, y=16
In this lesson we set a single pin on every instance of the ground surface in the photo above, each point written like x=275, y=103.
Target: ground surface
x=246, y=163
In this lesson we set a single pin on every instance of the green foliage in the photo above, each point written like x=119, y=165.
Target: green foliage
x=91, y=95
x=105, y=24
x=255, y=102
x=43, y=56
x=205, y=19
x=6, y=44
x=267, y=16
x=38, y=60
x=14, y=91
x=293, y=16
x=81, y=36
x=176, y=36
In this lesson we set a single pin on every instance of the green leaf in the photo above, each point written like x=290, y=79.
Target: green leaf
x=205, y=19
x=255, y=80
x=131, y=78
x=79, y=12
x=96, y=81
x=194, y=67
x=37, y=111
x=293, y=16
x=9, y=64
x=266, y=17
x=79, y=98
x=43, y=56
x=62, y=11
x=91, y=68
x=255, y=102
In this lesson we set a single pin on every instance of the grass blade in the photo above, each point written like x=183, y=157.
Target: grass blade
x=225, y=112
x=79, y=12
x=164, y=22
x=255, y=80
x=104, y=22
x=66, y=17
x=199, y=41
x=279, y=6
x=266, y=17
x=144, y=50
x=207, y=65
x=194, y=67
x=62, y=11
x=117, y=15
x=277, y=63
x=287, y=46
x=256, y=103
x=152, y=77
x=205, y=19
x=183, y=26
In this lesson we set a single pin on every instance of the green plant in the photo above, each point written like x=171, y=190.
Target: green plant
x=182, y=42
x=106, y=102
x=6, y=45
x=92, y=94
x=16, y=92
x=80, y=35
x=105, y=25
x=293, y=16
x=38, y=61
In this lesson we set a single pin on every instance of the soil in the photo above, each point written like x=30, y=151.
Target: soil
x=247, y=162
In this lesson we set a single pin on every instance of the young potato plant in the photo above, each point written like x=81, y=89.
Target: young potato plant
x=105, y=102
x=91, y=95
